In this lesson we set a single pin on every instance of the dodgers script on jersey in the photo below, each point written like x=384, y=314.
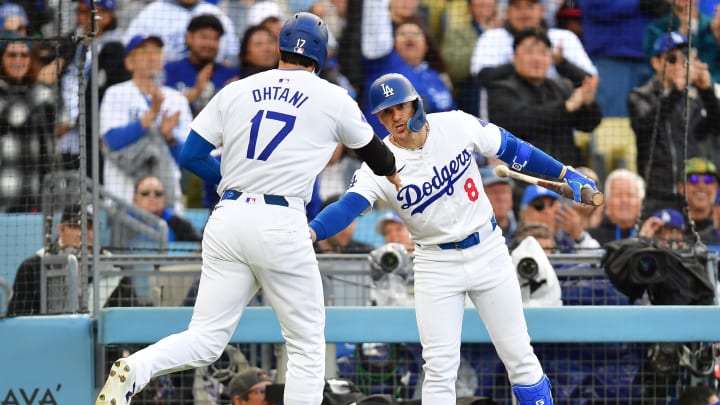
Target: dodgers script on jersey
x=285, y=146
x=443, y=170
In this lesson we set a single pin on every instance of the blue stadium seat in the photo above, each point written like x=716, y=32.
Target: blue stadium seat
x=198, y=217
x=365, y=228
x=21, y=235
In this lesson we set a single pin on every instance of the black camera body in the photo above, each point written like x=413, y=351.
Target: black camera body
x=539, y=285
x=390, y=258
x=528, y=268
x=670, y=277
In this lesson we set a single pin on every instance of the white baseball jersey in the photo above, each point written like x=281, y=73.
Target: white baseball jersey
x=442, y=199
x=495, y=47
x=278, y=129
x=124, y=103
x=169, y=20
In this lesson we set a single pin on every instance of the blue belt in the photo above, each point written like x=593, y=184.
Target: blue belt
x=470, y=241
x=269, y=198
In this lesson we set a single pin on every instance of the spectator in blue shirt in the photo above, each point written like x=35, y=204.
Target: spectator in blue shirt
x=197, y=76
x=612, y=35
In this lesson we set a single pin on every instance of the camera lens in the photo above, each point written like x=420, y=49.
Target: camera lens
x=647, y=266
x=389, y=261
x=527, y=268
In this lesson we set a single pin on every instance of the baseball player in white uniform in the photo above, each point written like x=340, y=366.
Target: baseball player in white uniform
x=278, y=129
x=459, y=248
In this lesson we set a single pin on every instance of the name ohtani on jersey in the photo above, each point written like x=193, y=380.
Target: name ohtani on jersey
x=420, y=196
x=279, y=93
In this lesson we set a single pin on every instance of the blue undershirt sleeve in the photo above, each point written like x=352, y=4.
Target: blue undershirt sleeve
x=195, y=156
x=176, y=150
x=120, y=137
x=523, y=156
x=338, y=215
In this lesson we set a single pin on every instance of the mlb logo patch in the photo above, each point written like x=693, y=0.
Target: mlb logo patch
x=250, y=200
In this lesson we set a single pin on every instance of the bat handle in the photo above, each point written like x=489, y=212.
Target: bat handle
x=591, y=197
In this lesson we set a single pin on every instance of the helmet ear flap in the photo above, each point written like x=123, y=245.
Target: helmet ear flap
x=417, y=121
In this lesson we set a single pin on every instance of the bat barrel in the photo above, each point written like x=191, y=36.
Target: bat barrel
x=591, y=197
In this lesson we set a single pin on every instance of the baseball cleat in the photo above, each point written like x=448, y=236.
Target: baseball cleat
x=120, y=385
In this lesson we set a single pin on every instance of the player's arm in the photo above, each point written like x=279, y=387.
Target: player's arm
x=195, y=156
x=337, y=216
x=524, y=157
x=380, y=159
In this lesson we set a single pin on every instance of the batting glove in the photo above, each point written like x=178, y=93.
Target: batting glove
x=577, y=182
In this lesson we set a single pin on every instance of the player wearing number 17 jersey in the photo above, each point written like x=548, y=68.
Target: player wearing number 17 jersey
x=278, y=129
x=459, y=248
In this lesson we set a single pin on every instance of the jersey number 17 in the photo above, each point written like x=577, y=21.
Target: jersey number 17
x=288, y=120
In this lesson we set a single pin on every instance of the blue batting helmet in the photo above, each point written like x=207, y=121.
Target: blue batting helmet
x=393, y=89
x=305, y=34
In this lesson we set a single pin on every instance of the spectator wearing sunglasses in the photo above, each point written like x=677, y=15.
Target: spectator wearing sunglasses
x=539, y=206
x=664, y=96
x=545, y=207
x=150, y=196
x=624, y=195
x=704, y=31
x=702, y=187
x=248, y=386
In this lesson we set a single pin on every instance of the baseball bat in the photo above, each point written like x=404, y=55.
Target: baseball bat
x=587, y=195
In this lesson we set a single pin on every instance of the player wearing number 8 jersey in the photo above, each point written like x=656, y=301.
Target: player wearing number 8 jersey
x=278, y=129
x=459, y=248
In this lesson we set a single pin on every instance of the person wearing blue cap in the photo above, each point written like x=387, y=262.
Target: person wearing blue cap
x=667, y=228
x=664, y=224
x=143, y=124
x=664, y=96
x=542, y=206
x=704, y=34
x=13, y=18
x=393, y=230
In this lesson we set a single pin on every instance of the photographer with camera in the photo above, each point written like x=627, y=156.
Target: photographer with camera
x=459, y=249
x=539, y=284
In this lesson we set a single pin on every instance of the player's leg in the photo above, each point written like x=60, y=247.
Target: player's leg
x=288, y=271
x=496, y=295
x=225, y=288
x=439, y=306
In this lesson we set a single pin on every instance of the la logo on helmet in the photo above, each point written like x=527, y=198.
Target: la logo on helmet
x=387, y=90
